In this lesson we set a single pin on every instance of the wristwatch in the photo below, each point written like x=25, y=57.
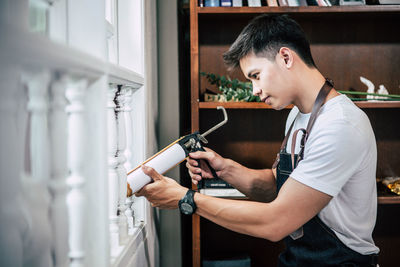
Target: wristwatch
x=186, y=204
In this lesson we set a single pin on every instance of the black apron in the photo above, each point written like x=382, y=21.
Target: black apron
x=314, y=244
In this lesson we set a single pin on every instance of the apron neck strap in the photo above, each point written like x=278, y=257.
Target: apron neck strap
x=323, y=92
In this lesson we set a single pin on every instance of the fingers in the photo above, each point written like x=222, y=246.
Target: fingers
x=193, y=170
x=145, y=190
x=208, y=155
x=208, y=149
x=140, y=193
x=192, y=162
x=151, y=172
x=195, y=173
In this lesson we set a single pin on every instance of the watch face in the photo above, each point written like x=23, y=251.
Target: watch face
x=186, y=208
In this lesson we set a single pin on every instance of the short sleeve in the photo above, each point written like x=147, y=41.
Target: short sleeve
x=333, y=153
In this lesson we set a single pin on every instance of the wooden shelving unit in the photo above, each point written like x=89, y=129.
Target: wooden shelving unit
x=259, y=105
x=236, y=105
x=389, y=199
x=346, y=42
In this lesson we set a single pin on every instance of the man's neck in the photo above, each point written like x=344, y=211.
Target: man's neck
x=308, y=86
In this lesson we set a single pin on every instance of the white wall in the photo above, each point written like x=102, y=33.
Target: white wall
x=170, y=234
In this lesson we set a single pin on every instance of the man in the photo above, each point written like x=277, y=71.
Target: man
x=321, y=191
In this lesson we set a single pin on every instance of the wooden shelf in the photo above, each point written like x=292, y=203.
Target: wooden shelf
x=301, y=9
x=236, y=105
x=388, y=199
x=378, y=104
x=260, y=105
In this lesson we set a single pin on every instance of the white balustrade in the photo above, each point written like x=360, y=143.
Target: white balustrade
x=76, y=199
x=36, y=184
x=38, y=85
x=130, y=213
x=59, y=170
x=122, y=179
x=113, y=180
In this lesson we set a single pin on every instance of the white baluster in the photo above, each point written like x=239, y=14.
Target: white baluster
x=38, y=85
x=38, y=195
x=113, y=183
x=121, y=146
x=59, y=169
x=130, y=214
x=76, y=200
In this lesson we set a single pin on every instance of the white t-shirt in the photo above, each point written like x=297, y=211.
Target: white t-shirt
x=340, y=160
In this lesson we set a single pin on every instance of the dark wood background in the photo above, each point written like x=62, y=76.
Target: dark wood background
x=346, y=43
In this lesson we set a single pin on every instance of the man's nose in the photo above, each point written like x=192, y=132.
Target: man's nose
x=256, y=90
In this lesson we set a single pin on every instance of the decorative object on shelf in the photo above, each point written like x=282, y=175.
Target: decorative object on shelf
x=393, y=183
x=231, y=90
x=382, y=91
x=381, y=94
x=370, y=87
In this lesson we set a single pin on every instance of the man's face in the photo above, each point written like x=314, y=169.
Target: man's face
x=268, y=79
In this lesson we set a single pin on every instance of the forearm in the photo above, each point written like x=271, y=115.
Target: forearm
x=258, y=185
x=247, y=217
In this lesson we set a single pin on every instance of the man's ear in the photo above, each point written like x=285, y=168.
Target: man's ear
x=287, y=57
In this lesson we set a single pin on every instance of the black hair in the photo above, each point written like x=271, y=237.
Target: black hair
x=265, y=35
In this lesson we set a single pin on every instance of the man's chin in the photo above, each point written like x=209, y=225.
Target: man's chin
x=277, y=106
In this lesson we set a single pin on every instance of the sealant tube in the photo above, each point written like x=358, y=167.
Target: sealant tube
x=164, y=160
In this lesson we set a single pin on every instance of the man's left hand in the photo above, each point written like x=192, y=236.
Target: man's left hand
x=163, y=192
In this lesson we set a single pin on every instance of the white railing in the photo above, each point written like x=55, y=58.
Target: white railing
x=113, y=181
x=38, y=178
x=130, y=214
x=120, y=128
x=121, y=171
x=59, y=170
x=66, y=143
x=76, y=181
x=57, y=176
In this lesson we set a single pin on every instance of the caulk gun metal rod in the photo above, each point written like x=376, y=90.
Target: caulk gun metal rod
x=219, y=124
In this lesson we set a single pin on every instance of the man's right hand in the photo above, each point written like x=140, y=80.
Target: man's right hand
x=203, y=171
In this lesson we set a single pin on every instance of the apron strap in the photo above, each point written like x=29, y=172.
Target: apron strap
x=323, y=92
x=283, y=145
x=294, y=146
